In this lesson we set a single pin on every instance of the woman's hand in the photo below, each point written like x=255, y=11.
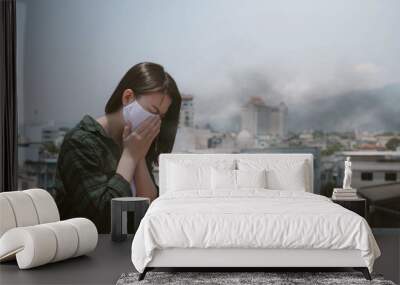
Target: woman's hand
x=137, y=143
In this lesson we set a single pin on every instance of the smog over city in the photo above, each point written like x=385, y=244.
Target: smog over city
x=336, y=69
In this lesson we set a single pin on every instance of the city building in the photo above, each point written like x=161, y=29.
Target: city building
x=186, y=116
x=38, y=152
x=245, y=139
x=43, y=172
x=371, y=167
x=261, y=119
x=225, y=140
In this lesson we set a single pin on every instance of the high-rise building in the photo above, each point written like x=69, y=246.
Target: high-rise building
x=260, y=119
x=283, y=119
x=186, y=116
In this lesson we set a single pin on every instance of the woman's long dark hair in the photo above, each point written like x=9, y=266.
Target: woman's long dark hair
x=148, y=77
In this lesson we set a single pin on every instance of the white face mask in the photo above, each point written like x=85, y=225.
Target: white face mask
x=134, y=114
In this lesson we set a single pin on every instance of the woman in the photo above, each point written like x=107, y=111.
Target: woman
x=113, y=156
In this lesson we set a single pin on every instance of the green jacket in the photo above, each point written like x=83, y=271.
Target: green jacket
x=86, y=180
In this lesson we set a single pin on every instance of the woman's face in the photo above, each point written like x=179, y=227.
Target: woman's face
x=154, y=102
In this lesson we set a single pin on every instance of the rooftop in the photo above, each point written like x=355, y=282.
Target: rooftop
x=187, y=97
x=256, y=100
x=371, y=153
x=383, y=194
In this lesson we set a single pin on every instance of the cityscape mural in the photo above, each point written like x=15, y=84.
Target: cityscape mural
x=318, y=77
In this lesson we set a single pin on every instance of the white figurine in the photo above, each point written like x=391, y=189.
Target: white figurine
x=347, y=174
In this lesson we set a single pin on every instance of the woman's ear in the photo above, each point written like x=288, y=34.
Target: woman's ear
x=128, y=97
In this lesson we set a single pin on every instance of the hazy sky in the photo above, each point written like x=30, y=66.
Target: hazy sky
x=73, y=53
